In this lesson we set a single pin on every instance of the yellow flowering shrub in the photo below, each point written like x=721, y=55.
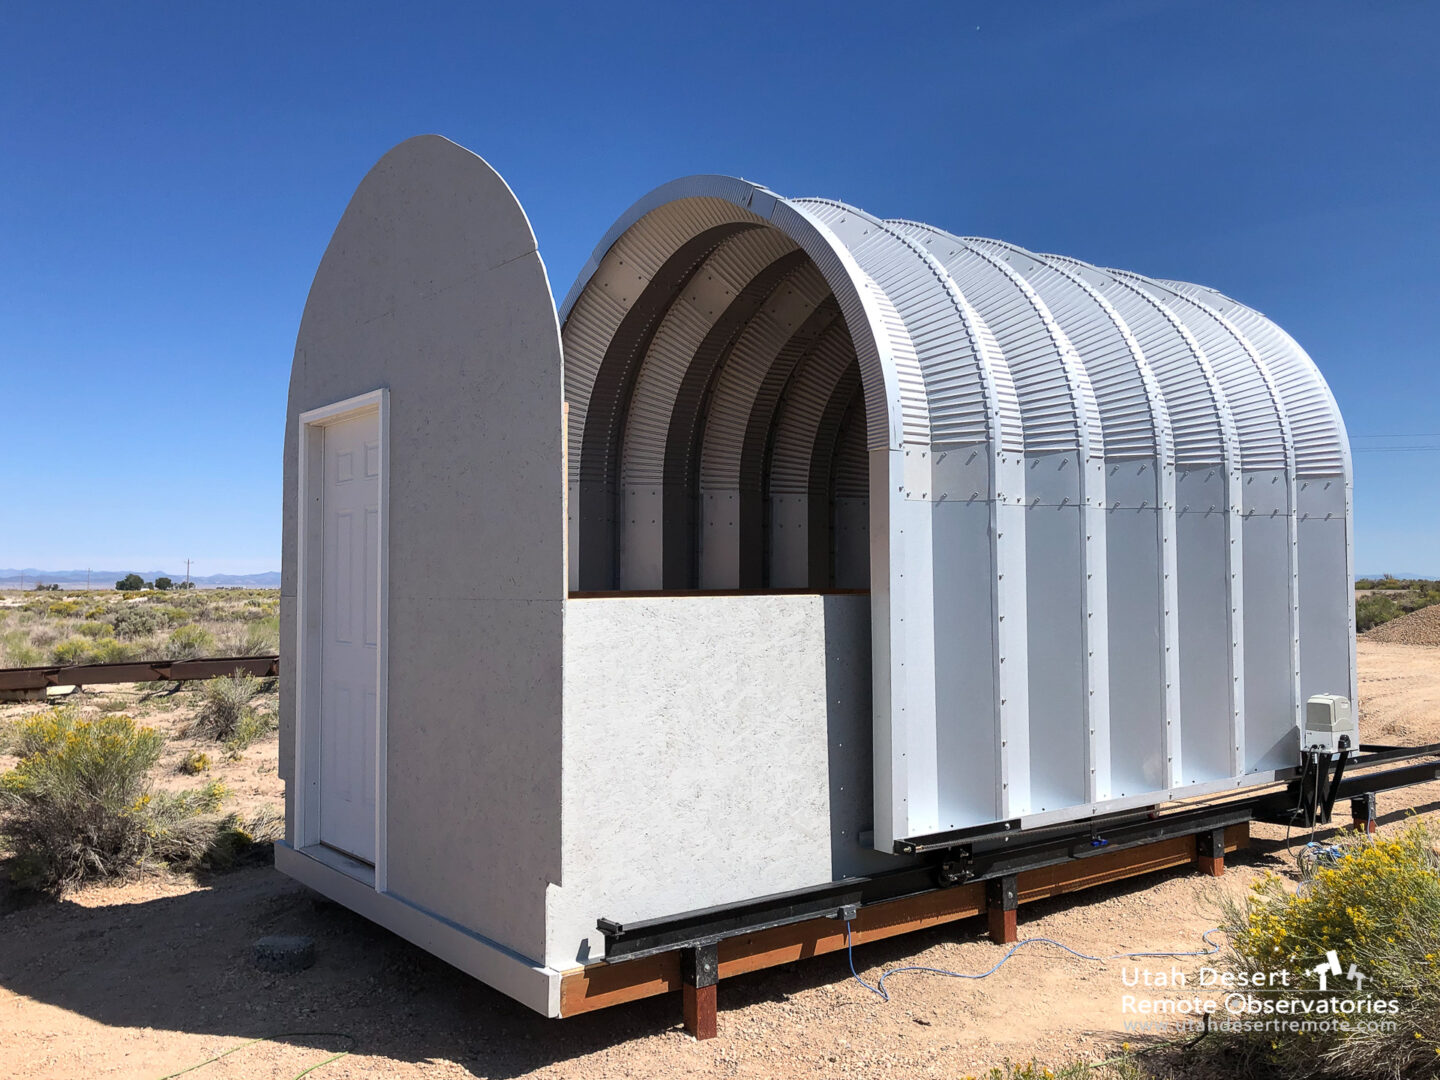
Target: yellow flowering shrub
x=74, y=806
x=80, y=803
x=1377, y=907
x=1378, y=893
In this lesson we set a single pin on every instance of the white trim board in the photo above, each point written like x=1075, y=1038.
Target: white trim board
x=527, y=981
x=312, y=424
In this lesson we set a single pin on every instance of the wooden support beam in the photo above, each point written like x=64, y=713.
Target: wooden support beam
x=1362, y=813
x=1210, y=852
x=1002, y=898
x=601, y=985
x=699, y=974
x=702, y=1019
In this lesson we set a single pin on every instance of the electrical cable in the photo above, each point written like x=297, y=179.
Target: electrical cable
x=270, y=1038
x=879, y=987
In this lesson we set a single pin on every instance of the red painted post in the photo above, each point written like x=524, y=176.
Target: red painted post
x=699, y=974
x=1002, y=898
x=1210, y=852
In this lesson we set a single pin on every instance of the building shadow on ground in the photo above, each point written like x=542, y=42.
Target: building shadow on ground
x=183, y=963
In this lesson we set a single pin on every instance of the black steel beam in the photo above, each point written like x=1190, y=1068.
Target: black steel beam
x=1089, y=843
x=629, y=941
x=991, y=855
x=1284, y=807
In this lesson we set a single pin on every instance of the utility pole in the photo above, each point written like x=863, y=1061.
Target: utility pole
x=87, y=579
x=187, y=573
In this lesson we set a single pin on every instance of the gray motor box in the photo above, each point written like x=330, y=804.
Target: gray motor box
x=1330, y=724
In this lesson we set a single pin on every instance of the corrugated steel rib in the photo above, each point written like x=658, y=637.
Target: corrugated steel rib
x=1316, y=426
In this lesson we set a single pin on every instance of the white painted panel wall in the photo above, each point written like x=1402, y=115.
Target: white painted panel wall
x=1134, y=551
x=432, y=288
x=1327, y=600
x=1271, y=737
x=1057, y=613
x=1206, y=676
x=967, y=740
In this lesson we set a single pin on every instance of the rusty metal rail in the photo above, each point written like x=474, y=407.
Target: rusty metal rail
x=37, y=678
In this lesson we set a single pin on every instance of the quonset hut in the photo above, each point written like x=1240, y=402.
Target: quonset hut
x=797, y=538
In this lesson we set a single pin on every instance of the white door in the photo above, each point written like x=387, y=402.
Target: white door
x=349, y=655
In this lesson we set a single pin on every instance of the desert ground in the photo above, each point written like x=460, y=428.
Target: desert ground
x=148, y=978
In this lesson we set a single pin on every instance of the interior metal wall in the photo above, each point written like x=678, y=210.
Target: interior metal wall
x=1104, y=519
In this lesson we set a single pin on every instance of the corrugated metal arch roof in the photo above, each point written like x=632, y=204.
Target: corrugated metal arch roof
x=1322, y=447
x=1132, y=408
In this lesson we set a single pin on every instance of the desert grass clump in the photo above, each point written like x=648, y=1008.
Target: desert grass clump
x=189, y=641
x=75, y=650
x=253, y=726
x=183, y=825
x=110, y=651
x=76, y=805
x=84, y=650
x=80, y=805
x=260, y=637
x=173, y=615
x=18, y=651
x=1377, y=907
x=263, y=636
x=225, y=703
x=240, y=839
x=1122, y=1067
x=136, y=621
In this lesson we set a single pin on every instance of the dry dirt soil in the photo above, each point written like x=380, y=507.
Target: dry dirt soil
x=151, y=977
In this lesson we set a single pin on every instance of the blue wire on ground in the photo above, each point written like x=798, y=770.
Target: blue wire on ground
x=879, y=987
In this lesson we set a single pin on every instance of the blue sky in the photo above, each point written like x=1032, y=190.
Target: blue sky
x=170, y=175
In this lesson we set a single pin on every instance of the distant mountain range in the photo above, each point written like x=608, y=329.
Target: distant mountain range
x=105, y=579
x=1400, y=575
x=10, y=578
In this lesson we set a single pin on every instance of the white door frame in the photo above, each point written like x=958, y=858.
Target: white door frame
x=309, y=614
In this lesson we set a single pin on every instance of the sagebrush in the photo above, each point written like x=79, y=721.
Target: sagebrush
x=1378, y=907
x=225, y=703
x=80, y=805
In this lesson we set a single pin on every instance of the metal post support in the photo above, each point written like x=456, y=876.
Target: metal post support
x=1002, y=898
x=1332, y=787
x=1362, y=812
x=699, y=974
x=1210, y=852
